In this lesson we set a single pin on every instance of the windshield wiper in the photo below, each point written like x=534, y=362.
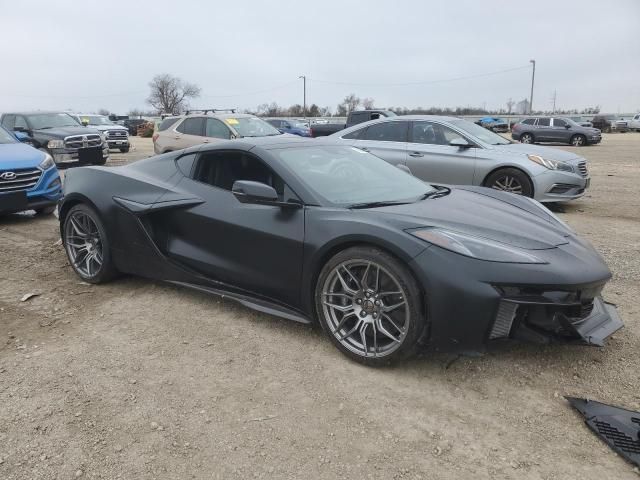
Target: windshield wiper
x=440, y=192
x=376, y=204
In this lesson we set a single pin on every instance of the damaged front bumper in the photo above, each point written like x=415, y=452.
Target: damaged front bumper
x=575, y=317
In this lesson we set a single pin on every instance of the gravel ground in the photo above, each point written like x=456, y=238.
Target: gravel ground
x=140, y=380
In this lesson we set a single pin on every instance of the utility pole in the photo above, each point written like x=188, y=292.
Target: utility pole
x=554, y=102
x=304, y=95
x=533, y=77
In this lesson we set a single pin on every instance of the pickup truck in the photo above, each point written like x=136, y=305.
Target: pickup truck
x=59, y=135
x=354, y=118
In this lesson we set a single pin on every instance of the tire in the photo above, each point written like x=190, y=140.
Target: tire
x=527, y=138
x=370, y=325
x=578, y=140
x=83, y=236
x=46, y=210
x=510, y=180
x=124, y=150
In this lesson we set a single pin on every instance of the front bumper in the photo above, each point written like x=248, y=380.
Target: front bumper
x=559, y=186
x=472, y=303
x=81, y=155
x=45, y=193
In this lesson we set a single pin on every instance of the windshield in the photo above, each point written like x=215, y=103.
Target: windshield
x=251, y=127
x=6, y=137
x=480, y=133
x=95, y=120
x=51, y=120
x=346, y=176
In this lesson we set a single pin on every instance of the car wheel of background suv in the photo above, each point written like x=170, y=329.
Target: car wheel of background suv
x=526, y=138
x=578, y=140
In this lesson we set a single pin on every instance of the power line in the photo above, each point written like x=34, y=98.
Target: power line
x=424, y=82
x=253, y=93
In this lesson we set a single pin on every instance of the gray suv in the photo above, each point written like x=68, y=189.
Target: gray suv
x=554, y=129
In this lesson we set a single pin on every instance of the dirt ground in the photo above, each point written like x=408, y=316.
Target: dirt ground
x=140, y=380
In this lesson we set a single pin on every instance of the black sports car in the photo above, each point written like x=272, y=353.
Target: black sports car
x=307, y=231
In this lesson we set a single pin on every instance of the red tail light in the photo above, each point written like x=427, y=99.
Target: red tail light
x=311, y=132
x=155, y=137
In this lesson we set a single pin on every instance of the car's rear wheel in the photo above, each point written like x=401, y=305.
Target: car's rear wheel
x=578, y=140
x=85, y=241
x=526, y=138
x=370, y=306
x=510, y=180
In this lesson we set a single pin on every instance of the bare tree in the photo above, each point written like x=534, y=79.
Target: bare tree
x=349, y=104
x=104, y=111
x=170, y=94
x=367, y=103
x=510, y=104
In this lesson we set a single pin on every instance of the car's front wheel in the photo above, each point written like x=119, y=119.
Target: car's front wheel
x=526, y=138
x=510, y=180
x=85, y=241
x=370, y=306
x=578, y=140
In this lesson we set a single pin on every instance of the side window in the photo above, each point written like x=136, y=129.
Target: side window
x=185, y=164
x=387, y=132
x=223, y=169
x=217, y=129
x=21, y=122
x=355, y=135
x=558, y=122
x=529, y=121
x=8, y=121
x=192, y=126
x=166, y=123
x=433, y=133
x=359, y=117
x=544, y=122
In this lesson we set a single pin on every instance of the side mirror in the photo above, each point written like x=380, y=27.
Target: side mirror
x=460, y=143
x=404, y=168
x=247, y=191
x=567, y=126
x=85, y=122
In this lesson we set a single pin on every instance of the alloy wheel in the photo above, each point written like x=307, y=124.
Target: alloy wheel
x=577, y=141
x=365, y=308
x=526, y=138
x=507, y=183
x=83, y=244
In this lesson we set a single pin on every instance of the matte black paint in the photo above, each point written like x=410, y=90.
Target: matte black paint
x=165, y=225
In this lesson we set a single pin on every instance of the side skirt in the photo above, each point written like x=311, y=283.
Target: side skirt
x=259, y=305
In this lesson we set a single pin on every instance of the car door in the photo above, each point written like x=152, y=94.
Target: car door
x=387, y=140
x=544, y=130
x=256, y=248
x=560, y=132
x=188, y=133
x=215, y=131
x=431, y=158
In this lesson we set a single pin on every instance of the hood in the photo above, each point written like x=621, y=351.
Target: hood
x=61, y=132
x=545, y=152
x=14, y=156
x=483, y=212
x=104, y=128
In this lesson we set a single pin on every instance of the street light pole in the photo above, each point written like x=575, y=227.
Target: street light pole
x=533, y=77
x=304, y=96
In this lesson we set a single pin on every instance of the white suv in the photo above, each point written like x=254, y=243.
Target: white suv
x=634, y=123
x=208, y=126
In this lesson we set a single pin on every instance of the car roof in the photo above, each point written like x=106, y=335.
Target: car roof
x=37, y=112
x=418, y=117
x=268, y=143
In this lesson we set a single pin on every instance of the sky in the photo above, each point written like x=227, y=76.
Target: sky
x=87, y=55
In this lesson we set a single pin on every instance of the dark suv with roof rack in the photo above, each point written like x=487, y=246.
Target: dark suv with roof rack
x=60, y=135
x=554, y=129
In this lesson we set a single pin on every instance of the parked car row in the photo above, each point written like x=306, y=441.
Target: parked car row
x=555, y=129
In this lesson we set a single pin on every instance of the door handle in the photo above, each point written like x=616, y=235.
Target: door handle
x=416, y=154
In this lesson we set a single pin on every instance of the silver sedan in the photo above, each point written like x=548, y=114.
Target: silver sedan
x=449, y=150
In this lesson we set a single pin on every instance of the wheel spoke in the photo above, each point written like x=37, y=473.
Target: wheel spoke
x=350, y=332
x=340, y=308
x=343, y=282
x=343, y=320
x=355, y=280
x=365, y=276
x=385, y=332
x=391, y=322
x=390, y=308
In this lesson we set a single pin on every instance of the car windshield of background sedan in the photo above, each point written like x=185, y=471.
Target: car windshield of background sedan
x=52, y=120
x=480, y=133
x=347, y=176
x=252, y=127
x=6, y=137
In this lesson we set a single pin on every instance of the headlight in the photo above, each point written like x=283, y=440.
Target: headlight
x=474, y=247
x=47, y=163
x=55, y=144
x=550, y=164
x=103, y=135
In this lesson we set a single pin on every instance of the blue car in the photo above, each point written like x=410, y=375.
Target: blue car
x=29, y=179
x=294, y=127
